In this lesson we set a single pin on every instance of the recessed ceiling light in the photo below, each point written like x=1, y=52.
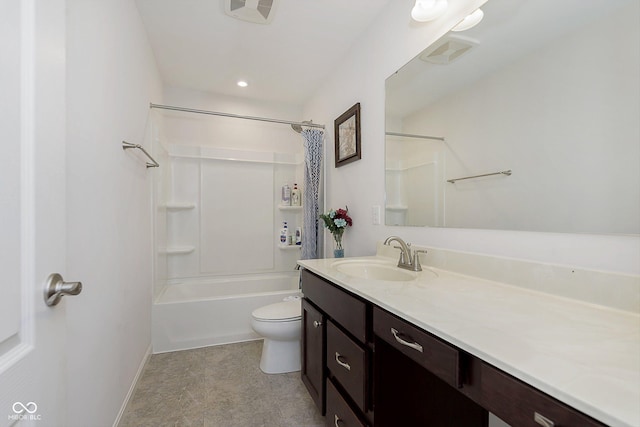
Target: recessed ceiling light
x=242, y=83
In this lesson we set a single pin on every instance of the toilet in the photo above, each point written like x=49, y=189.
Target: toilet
x=280, y=325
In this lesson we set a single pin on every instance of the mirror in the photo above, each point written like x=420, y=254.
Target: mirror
x=528, y=121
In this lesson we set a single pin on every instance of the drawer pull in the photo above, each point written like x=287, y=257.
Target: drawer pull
x=336, y=420
x=316, y=324
x=345, y=365
x=414, y=345
x=542, y=420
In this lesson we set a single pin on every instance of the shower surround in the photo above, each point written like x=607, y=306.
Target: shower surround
x=217, y=215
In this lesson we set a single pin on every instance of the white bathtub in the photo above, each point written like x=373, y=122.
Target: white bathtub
x=200, y=313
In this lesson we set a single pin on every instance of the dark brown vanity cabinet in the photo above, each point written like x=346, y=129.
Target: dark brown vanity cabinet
x=345, y=354
x=359, y=360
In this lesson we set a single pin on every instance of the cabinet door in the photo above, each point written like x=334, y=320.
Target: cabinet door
x=313, y=353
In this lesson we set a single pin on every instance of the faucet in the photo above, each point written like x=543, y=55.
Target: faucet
x=409, y=260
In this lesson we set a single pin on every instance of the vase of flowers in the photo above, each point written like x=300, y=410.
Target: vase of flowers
x=337, y=221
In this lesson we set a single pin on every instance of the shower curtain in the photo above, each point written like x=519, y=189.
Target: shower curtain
x=312, y=167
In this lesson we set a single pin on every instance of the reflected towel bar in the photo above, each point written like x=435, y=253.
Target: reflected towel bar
x=508, y=172
x=126, y=145
x=411, y=135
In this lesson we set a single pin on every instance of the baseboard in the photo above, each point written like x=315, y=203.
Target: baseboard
x=132, y=389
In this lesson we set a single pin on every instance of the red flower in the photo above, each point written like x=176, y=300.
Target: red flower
x=341, y=213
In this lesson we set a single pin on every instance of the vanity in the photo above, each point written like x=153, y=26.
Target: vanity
x=388, y=347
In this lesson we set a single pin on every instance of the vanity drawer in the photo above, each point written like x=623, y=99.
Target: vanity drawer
x=430, y=352
x=339, y=413
x=347, y=362
x=345, y=309
x=519, y=404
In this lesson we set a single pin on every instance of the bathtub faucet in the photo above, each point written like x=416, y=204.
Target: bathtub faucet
x=409, y=260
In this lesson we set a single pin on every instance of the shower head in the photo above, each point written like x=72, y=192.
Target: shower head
x=298, y=127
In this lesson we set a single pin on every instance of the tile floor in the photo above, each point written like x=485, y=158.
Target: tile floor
x=219, y=386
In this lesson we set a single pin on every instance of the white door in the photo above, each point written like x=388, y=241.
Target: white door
x=32, y=212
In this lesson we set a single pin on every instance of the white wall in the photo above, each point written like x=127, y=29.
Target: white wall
x=112, y=77
x=227, y=132
x=388, y=44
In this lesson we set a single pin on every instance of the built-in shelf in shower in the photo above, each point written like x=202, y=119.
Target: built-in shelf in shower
x=179, y=206
x=178, y=250
x=396, y=207
x=289, y=208
x=289, y=247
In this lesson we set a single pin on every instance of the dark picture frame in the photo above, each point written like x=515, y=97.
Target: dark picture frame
x=347, y=136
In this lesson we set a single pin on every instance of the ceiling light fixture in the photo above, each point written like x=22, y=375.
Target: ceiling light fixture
x=428, y=10
x=470, y=21
x=242, y=83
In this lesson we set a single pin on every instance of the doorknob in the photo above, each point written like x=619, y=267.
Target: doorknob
x=56, y=288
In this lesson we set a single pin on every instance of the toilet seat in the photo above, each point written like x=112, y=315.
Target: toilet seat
x=285, y=311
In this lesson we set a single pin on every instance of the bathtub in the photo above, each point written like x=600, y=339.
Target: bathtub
x=199, y=313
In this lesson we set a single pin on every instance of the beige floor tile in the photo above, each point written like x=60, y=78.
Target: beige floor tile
x=220, y=386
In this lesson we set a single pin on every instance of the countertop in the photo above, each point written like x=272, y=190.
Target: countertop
x=585, y=355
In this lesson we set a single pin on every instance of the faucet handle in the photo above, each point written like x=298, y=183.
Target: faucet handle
x=416, y=259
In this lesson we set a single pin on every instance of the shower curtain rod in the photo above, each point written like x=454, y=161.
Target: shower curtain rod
x=215, y=113
x=437, y=138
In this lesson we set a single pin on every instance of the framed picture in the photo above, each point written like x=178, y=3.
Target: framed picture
x=347, y=129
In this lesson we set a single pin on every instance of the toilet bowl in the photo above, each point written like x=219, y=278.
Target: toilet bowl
x=280, y=325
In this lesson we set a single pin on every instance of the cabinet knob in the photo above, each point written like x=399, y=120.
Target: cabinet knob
x=336, y=420
x=542, y=420
x=316, y=324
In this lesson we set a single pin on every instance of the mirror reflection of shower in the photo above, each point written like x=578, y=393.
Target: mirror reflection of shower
x=414, y=179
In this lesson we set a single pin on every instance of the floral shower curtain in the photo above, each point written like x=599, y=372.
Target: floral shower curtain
x=313, y=139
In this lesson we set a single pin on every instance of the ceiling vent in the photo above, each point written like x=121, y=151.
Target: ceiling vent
x=447, y=49
x=256, y=11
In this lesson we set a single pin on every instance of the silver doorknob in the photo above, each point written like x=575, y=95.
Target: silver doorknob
x=56, y=288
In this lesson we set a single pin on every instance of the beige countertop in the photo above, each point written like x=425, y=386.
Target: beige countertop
x=583, y=354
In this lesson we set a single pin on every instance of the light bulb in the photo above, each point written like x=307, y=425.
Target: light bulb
x=470, y=21
x=242, y=83
x=428, y=10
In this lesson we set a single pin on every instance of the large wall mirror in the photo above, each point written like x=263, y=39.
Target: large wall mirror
x=528, y=121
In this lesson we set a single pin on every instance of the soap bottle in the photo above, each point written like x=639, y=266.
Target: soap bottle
x=298, y=236
x=284, y=234
x=296, y=196
x=286, y=195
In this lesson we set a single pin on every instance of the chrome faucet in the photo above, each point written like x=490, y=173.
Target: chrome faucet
x=409, y=260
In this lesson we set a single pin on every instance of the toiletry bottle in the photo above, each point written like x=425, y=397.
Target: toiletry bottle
x=284, y=233
x=289, y=238
x=296, y=196
x=286, y=195
x=298, y=236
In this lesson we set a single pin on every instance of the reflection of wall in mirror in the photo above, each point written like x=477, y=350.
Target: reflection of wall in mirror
x=569, y=175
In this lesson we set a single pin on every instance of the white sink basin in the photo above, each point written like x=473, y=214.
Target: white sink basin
x=374, y=270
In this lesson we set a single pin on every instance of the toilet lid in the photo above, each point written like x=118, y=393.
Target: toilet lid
x=286, y=310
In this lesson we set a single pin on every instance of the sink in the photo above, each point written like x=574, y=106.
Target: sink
x=374, y=270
